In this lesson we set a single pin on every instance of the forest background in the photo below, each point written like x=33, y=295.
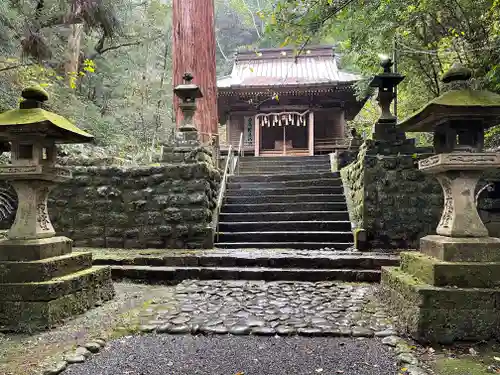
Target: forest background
x=107, y=64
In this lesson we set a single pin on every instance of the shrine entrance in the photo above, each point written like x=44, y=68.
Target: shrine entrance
x=284, y=134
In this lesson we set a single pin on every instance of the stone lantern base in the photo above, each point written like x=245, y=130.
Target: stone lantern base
x=42, y=283
x=450, y=291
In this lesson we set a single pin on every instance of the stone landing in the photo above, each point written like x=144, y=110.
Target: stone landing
x=42, y=283
x=448, y=292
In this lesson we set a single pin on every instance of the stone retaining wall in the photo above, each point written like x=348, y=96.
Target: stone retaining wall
x=401, y=204
x=167, y=206
x=353, y=180
x=391, y=199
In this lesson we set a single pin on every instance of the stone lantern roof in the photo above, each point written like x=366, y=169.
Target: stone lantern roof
x=31, y=116
x=479, y=106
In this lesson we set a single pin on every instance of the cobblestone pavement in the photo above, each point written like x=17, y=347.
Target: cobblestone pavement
x=267, y=309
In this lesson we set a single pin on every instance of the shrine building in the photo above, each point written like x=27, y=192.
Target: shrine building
x=286, y=104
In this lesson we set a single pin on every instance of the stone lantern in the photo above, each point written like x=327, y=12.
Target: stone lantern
x=33, y=134
x=458, y=119
x=385, y=127
x=188, y=93
x=186, y=138
x=450, y=290
x=36, y=266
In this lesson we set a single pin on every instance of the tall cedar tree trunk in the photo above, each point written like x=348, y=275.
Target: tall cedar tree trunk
x=194, y=51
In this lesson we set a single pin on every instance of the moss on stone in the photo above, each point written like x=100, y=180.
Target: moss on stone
x=419, y=265
x=45, y=269
x=28, y=316
x=54, y=288
x=440, y=314
x=37, y=115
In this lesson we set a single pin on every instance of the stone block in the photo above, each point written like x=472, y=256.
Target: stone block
x=29, y=250
x=54, y=288
x=460, y=274
x=440, y=314
x=45, y=269
x=465, y=249
x=28, y=316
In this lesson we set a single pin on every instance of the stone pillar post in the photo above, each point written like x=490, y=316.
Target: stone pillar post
x=32, y=217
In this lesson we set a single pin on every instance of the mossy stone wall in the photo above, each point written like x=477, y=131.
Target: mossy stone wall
x=391, y=199
x=354, y=187
x=164, y=206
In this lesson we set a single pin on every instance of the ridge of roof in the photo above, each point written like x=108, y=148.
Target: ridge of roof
x=286, y=52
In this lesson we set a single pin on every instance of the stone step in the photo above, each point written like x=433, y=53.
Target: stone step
x=286, y=236
x=285, y=207
x=239, y=191
x=45, y=269
x=286, y=245
x=262, y=226
x=283, y=177
x=175, y=275
x=280, y=171
x=230, y=199
x=55, y=288
x=286, y=166
x=284, y=216
x=297, y=159
x=247, y=258
x=331, y=181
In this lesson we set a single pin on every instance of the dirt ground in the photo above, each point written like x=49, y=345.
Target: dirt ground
x=28, y=354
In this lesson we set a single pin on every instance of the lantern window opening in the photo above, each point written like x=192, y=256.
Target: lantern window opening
x=25, y=152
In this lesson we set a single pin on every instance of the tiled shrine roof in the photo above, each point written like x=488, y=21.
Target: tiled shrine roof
x=279, y=67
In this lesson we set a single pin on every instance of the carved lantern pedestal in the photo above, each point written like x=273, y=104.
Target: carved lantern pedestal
x=458, y=173
x=42, y=281
x=449, y=291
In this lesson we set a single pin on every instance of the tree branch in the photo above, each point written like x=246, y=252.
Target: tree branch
x=112, y=48
x=15, y=67
x=253, y=18
x=220, y=48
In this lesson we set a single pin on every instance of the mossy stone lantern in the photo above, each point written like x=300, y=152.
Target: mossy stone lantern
x=458, y=119
x=449, y=290
x=42, y=281
x=385, y=127
x=188, y=93
x=33, y=134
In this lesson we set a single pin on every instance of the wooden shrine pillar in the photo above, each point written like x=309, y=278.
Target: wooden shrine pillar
x=342, y=124
x=311, y=133
x=256, y=136
x=194, y=49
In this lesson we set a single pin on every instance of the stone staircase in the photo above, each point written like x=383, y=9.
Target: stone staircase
x=173, y=266
x=286, y=203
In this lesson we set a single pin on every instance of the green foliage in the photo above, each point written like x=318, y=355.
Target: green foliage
x=428, y=35
x=107, y=64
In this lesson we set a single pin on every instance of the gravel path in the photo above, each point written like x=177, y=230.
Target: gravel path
x=230, y=355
